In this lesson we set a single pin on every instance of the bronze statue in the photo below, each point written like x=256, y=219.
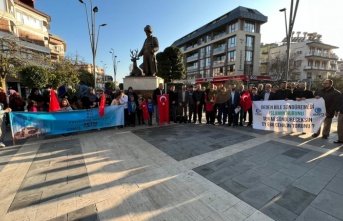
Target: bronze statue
x=136, y=71
x=150, y=46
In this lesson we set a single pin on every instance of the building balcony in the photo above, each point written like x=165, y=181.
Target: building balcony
x=219, y=35
x=218, y=63
x=192, y=68
x=315, y=68
x=219, y=50
x=326, y=56
x=192, y=58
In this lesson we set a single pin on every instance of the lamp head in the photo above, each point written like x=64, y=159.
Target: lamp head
x=282, y=10
x=81, y=1
x=103, y=24
x=95, y=9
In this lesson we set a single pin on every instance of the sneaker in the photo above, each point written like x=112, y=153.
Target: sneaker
x=2, y=144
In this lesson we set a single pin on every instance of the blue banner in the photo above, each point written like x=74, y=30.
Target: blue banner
x=30, y=124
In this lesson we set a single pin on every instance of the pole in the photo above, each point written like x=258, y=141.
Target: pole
x=93, y=43
x=290, y=30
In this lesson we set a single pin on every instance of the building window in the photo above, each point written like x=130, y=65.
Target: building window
x=208, y=38
x=202, y=52
x=249, y=27
x=218, y=72
x=202, y=74
x=207, y=73
x=232, y=42
x=249, y=41
x=208, y=62
x=208, y=49
x=233, y=27
x=202, y=63
x=232, y=56
x=231, y=69
x=248, y=56
x=3, y=5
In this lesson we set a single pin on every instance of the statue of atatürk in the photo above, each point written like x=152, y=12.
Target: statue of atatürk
x=148, y=51
x=136, y=71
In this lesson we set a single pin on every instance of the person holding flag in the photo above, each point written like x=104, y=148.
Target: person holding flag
x=144, y=111
x=163, y=108
x=54, y=105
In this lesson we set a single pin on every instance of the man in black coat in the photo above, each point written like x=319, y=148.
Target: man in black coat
x=157, y=91
x=199, y=99
x=182, y=98
x=331, y=97
x=283, y=93
x=173, y=103
x=301, y=93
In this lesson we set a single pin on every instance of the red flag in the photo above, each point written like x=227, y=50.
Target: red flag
x=245, y=101
x=145, y=111
x=163, y=108
x=54, y=105
x=102, y=105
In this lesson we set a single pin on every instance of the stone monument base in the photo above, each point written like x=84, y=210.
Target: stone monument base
x=142, y=83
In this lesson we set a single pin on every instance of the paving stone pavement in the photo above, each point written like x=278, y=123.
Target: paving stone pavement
x=175, y=172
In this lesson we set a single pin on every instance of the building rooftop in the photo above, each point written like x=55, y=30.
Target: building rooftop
x=239, y=12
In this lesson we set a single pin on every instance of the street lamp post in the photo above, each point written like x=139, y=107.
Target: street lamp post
x=114, y=58
x=92, y=36
x=116, y=69
x=289, y=31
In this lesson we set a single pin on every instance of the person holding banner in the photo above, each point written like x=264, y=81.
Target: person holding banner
x=301, y=93
x=234, y=107
x=283, y=93
x=3, y=112
x=331, y=97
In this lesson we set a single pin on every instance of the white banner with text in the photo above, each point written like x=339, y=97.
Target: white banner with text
x=289, y=116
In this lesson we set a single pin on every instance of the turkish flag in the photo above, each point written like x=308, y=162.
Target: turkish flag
x=102, y=105
x=54, y=105
x=163, y=108
x=245, y=101
x=145, y=111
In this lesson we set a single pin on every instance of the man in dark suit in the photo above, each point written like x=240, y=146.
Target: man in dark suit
x=199, y=99
x=233, y=103
x=157, y=91
x=267, y=93
x=183, y=97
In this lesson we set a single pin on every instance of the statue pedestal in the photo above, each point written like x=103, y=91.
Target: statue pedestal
x=142, y=83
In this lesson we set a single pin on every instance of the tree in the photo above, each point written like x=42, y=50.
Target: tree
x=337, y=83
x=277, y=67
x=64, y=73
x=170, y=64
x=14, y=56
x=110, y=85
x=86, y=78
x=34, y=76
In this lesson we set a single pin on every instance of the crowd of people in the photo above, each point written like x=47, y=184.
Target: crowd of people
x=221, y=104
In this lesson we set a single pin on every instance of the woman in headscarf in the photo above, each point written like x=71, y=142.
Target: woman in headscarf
x=36, y=96
x=17, y=103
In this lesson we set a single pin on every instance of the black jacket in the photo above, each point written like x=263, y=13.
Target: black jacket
x=331, y=98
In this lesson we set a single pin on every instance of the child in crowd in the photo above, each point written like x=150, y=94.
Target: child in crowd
x=150, y=106
x=33, y=106
x=140, y=110
x=210, y=100
x=132, y=109
x=65, y=106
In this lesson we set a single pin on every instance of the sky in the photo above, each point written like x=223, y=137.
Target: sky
x=173, y=19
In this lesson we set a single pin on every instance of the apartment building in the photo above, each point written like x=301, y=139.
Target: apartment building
x=227, y=48
x=26, y=30
x=312, y=58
